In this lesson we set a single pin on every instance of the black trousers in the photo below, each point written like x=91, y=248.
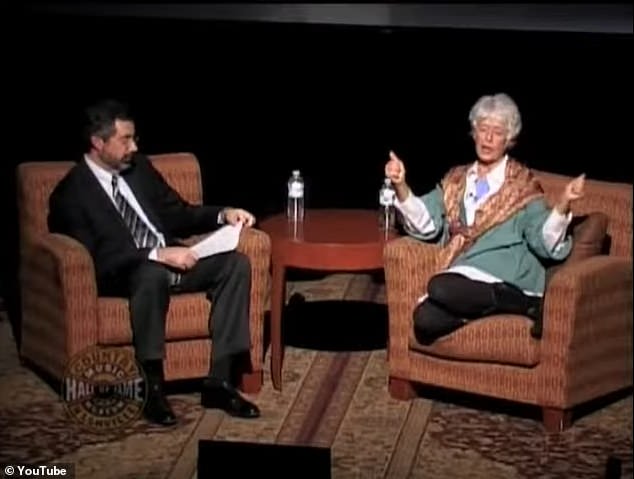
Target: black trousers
x=226, y=278
x=453, y=300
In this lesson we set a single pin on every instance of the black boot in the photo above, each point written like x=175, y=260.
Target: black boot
x=536, y=330
x=510, y=299
x=157, y=409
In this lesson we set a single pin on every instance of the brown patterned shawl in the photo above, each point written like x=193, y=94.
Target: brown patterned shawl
x=519, y=188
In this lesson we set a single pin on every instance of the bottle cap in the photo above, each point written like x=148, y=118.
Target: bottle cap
x=387, y=181
x=295, y=172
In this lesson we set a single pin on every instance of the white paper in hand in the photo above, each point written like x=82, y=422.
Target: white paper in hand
x=220, y=241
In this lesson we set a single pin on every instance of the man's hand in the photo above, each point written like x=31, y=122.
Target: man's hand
x=234, y=216
x=395, y=171
x=572, y=192
x=179, y=257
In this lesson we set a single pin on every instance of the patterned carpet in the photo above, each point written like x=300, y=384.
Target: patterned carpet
x=334, y=395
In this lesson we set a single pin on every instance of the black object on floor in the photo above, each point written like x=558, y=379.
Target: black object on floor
x=613, y=468
x=241, y=459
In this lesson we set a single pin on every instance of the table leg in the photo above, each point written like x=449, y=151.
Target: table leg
x=278, y=300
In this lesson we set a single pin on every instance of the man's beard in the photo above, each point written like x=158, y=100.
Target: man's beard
x=126, y=162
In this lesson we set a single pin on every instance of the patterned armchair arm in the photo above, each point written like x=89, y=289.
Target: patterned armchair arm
x=59, y=298
x=587, y=341
x=409, y=263
x=257, y=246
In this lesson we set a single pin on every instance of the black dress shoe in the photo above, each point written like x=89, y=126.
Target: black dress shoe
x=221, y=395
x=158, y=410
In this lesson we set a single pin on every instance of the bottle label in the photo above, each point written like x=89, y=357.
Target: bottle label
x=296, y=190
x=386, y=197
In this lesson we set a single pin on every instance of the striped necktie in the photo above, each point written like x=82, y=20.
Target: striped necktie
x=143, y=236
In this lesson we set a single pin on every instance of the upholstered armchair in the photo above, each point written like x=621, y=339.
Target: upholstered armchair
x=62, y=313
x=585, y=349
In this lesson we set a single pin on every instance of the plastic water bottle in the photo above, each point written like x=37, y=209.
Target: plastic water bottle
x=387, y=213
x=295, y=203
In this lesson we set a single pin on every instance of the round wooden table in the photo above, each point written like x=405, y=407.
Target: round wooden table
x=327, y=240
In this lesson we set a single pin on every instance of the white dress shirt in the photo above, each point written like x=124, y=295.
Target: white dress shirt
x=418, y=220
x=105, y=180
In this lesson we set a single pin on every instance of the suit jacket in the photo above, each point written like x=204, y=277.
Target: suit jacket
x=80, y=208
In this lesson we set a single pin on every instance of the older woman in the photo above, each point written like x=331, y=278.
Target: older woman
x=494, y=224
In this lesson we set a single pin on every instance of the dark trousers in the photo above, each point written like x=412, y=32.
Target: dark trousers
x=226, y=278
x=453, y=300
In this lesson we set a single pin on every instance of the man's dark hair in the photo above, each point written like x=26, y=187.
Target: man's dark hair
x=100, y=117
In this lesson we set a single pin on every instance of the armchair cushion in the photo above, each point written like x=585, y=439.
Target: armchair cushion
x=501, y=338
x=589, y=234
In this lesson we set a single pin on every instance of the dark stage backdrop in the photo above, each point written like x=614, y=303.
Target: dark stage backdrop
x=254, y=100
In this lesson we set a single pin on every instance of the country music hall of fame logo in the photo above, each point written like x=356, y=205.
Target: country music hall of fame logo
x=104, y=388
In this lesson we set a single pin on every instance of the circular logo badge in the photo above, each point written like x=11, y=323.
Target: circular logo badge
x=104, y=388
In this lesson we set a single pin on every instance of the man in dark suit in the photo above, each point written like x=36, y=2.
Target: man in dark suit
x=122, y=210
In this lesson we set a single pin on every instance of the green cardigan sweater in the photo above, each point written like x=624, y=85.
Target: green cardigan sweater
x=512, y=251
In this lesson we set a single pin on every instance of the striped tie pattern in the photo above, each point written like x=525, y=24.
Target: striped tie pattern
x=143, y=236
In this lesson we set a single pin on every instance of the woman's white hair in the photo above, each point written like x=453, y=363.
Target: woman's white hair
x=501, y=107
